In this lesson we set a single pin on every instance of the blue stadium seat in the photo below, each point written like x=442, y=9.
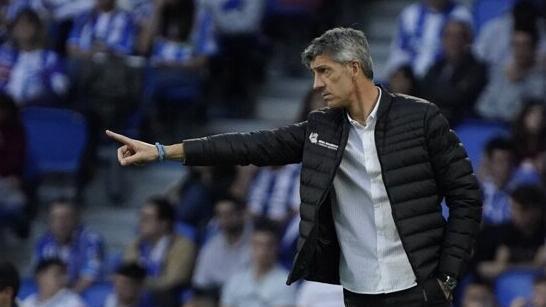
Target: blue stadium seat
x=56, y=139
x=95, y=296
x=513, y=284
x=474, y=134
x=28, y=287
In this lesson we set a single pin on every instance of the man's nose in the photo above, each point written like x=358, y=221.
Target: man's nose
x=317, y=83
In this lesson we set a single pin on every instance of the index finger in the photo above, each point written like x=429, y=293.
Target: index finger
x=118, y=137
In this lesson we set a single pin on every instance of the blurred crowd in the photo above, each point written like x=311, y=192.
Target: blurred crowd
x=225, y=236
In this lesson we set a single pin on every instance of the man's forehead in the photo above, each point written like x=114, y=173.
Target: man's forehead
x=321, y=60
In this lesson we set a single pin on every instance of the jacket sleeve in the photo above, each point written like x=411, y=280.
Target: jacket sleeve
x=268, y=147
x=459, y=186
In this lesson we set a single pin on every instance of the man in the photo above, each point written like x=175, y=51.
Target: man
x=456, y=79
x=81, y=249
x=375, y=167
x=9, y=284
x=518, y=242
x=517, y=79
x=418, y=40
x=128, y=285
x=51, y=277
x=496, y=171
x=166, y=256
x=226, y=253
x=261, y=283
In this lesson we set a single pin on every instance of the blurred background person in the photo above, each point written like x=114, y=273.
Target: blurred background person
x=518, y=242
x=179, y=40
x=496, y=171
x=67, y=239
x=402, y=80
x=455, y=80
x=515, y=80
x=226, y=252
x=29, y=73
x=493, y=42
x=238, y=67
x=128, y=283
x=167, y=257
x=9, y=284
x=263, y=282
x=51, y=278
x=478, y=294
x=418, y=39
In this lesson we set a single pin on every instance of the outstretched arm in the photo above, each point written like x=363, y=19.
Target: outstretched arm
x=267, y=147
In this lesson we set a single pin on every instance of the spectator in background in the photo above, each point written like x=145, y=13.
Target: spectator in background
x=29, y=73
x=418, y=40
x=224, y=254
x=240, y=61
x=529, y=128
x=12, y=151
x=166, y=256
x=518, y=242
x=195, y=196
x=478, y=294
x=102, y=30
x=263, y=282
x=9, y=285
x=8, y=10
x=315, y=294
x=496, y=170
x=456, y=79
x=516, y=80
x=538, y=298
x=274, y=193
x=51, y=277
x=178, y=38
x=403, y=81
x=493, y=43
x=128, y=285
x=81, y=249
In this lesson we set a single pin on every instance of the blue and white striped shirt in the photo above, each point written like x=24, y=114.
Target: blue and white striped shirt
x=202, y=42
x=418, y=40
x=115, y=29
x=32, y=74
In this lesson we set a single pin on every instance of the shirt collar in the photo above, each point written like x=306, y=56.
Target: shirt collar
x=373, y=113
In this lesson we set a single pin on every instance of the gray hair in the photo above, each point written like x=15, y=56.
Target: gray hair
x=342, y=45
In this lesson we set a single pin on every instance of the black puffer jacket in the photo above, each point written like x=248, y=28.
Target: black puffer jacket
x=422, y=162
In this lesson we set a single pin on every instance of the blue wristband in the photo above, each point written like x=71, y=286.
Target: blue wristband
x=160, y=150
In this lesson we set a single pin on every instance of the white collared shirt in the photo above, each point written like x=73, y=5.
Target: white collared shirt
x=372, y=258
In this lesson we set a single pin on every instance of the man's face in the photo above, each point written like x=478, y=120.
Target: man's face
x=24, y=30
x=264, y=248
x=127, y=289
x=62, y=222
x=477, y=296
x=229, y=218
x=333, y=80
x=522, y=48
x=149, y=224
x=455, y=39
x=501, y=164
x=51, y=280
x=525, y=218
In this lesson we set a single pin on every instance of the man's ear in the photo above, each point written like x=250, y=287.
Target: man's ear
x=355, y=68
